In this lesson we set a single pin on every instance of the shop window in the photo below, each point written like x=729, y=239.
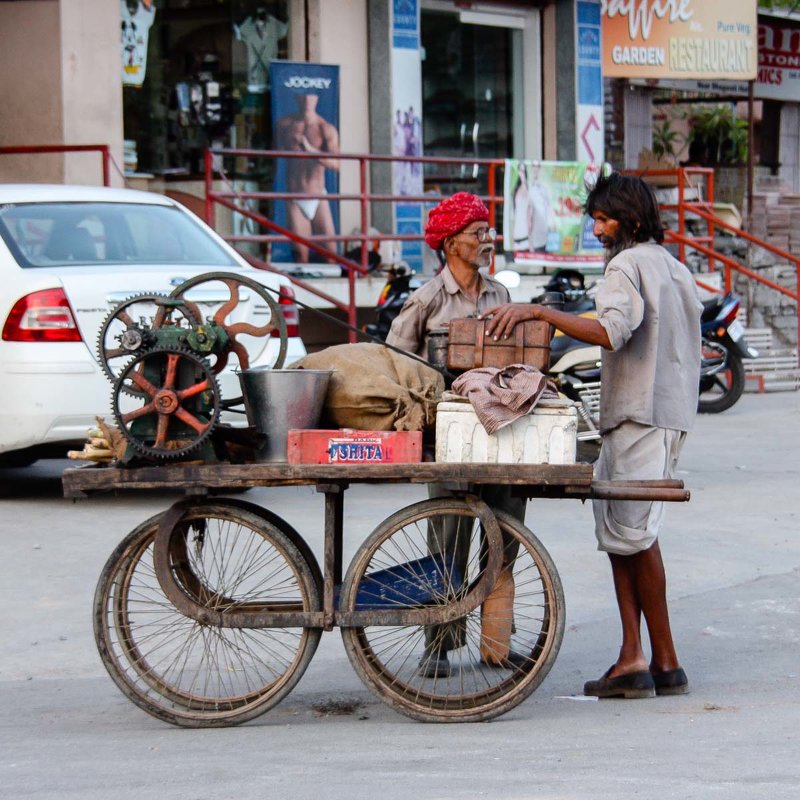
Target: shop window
x=196, y=74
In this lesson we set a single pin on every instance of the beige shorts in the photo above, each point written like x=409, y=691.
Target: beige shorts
x=632, y=451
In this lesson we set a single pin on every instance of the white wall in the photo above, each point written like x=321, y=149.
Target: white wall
x=339, y=36
x=91, y=84
x=30, y=96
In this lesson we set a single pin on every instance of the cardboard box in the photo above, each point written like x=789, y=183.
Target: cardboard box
x=349, y=446
x=548, y=435
x=468, y=347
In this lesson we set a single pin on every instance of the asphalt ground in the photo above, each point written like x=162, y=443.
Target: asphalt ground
x=733, y=566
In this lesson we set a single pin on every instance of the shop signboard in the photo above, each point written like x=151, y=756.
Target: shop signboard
x=407, y=124
x=679, y=39
x=778, y=67
x=778, y=60
x=543, y=221
x=589, y=110
x=305, y=118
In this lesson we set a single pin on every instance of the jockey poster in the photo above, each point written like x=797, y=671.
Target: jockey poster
x=305, y=114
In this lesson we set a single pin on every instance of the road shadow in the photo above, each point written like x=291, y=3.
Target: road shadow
x=40, y=479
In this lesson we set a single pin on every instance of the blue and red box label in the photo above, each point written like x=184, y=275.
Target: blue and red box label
x=349, y=446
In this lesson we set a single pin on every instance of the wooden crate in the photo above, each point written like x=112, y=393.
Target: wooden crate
x=469, y=348
x=349, y=446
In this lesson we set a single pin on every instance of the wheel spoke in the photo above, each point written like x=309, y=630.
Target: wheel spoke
x=137, y=377
x=184, y=416
x=230, y=304
x=250, y=330
x=172, y=371
x=161, y=430
x=145, y=410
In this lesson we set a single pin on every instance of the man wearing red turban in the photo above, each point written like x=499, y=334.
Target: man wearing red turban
x=459, y=229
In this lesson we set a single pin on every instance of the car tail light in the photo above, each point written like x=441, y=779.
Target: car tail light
x=289, y=310
x=42, y=317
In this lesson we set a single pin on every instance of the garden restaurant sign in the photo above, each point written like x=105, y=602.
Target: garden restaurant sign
x=679, y=39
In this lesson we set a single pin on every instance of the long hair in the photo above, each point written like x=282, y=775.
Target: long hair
x=631, y=202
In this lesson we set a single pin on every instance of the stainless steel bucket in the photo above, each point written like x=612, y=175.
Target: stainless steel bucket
x=278, y=400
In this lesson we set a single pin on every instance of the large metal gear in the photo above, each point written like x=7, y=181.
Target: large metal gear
x=166, y=402
x=130, y=328
x=232, y=283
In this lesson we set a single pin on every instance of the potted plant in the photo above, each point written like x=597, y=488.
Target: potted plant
x=718, y=138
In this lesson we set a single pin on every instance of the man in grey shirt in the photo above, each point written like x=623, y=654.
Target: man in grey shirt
x=648, y=323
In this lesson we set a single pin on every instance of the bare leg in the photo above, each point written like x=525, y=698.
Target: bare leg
x=299, y=224
x=631, y=657
x=640, y=584
x=652, y=592
x=323, y=224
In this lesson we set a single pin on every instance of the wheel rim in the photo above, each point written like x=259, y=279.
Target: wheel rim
x=239, y=332
x=390, y=658
x=193, y=674
x=166, y=402
x=156, y=310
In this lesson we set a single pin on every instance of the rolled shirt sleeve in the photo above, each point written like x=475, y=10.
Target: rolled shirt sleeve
x=620, y=307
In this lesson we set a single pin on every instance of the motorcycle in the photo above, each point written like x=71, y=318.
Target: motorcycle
x=723, y=348
x=401, y=282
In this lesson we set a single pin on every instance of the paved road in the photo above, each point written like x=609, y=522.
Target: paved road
x=733, y=561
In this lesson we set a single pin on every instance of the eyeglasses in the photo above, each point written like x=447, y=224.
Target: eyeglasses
x=482, y=234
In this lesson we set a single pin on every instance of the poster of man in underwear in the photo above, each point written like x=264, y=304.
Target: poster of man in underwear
x=308, y=126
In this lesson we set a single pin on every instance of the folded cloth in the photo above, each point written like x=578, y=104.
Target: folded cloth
x=500, y=396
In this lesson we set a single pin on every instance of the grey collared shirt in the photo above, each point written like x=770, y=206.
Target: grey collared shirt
x=433, y=305
x=648, y=305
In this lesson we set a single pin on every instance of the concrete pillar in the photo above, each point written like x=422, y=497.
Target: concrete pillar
x=60, y=83
x=338, y=35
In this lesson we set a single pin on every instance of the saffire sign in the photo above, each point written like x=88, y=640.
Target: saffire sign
x=679, y=39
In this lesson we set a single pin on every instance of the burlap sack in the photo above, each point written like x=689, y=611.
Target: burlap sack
x=374, y=388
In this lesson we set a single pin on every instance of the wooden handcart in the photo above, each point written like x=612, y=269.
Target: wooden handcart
x=208, y=613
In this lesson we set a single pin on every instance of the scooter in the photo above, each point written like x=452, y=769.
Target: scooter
x=401, y=281
x=724, y=346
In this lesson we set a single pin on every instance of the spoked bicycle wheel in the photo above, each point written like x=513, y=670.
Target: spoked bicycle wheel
x=188, y=673
x=428, y=555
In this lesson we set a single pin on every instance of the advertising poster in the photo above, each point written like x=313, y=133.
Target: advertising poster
x=543, y=221
x=686, y=39
x=407, y=177
x=589, y=111
x=305, y=118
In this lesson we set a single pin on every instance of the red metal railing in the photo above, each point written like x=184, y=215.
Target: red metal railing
x=316, y=243
x=704, y=209
x=698, y=180
x=103, y=149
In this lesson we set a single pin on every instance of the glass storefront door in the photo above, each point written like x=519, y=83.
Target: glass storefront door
x=471, y=90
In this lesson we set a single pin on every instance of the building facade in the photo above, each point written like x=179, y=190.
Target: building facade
x=160, y=80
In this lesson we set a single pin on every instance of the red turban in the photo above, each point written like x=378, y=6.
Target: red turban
x=453, y=215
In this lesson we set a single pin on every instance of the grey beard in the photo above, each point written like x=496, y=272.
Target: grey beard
x=617, y=247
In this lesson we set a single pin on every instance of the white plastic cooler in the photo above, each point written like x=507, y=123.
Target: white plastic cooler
x=548, y=435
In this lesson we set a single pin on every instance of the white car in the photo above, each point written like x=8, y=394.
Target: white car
x=68, y=256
